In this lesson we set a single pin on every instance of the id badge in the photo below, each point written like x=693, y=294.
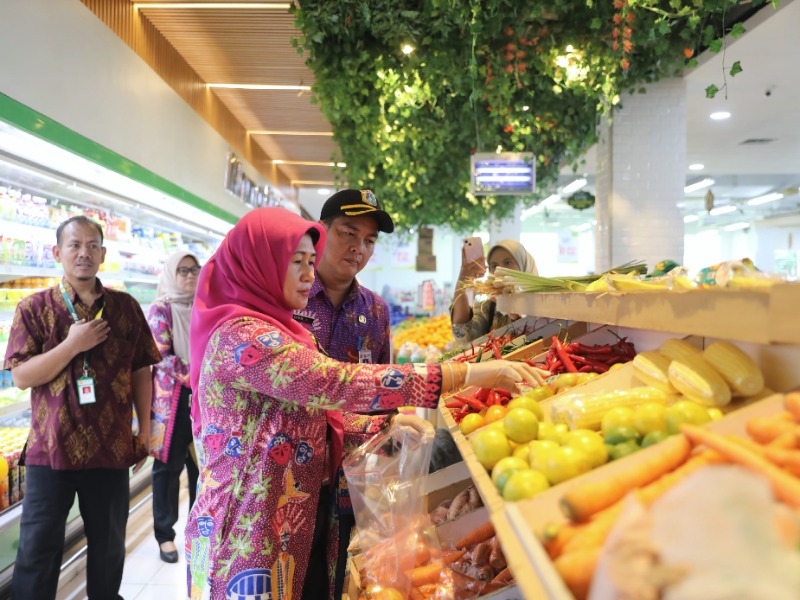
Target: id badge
x=86, y=390
x=365, y=355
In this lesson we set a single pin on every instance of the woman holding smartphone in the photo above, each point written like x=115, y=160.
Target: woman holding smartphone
x=473, y=321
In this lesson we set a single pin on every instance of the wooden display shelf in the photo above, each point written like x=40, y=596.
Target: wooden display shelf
x=758, y=315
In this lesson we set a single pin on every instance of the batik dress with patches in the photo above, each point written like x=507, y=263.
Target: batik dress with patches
x=262, y=399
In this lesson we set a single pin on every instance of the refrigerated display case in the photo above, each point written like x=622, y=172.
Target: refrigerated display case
x=141, y=227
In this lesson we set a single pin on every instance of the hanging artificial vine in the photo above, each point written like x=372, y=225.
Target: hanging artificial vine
x=485, y=75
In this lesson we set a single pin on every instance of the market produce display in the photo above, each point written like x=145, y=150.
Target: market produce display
x=593, y=508
x=425, y=338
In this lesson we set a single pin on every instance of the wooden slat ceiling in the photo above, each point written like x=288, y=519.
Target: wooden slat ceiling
x=253, y=46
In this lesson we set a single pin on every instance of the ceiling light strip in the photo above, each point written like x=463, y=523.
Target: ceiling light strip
x=268, y=132
x=309, y=163
x=212, y=5
x=311, y=182
x=253, y=86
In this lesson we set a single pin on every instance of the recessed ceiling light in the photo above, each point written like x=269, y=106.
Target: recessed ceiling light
x=697, y=167
x=698, y=185
x=736, y=226
x=722, y=210
x=690, y=218
x=323, y=191
x=764, y=199
x=720, y=115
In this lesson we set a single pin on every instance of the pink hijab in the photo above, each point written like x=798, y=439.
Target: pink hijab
x=245, y=277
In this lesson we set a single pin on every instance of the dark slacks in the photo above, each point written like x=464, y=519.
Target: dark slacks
x=166, y=475
x=103, y=499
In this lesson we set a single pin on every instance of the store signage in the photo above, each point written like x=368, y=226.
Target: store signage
x=567, y=247
x=503, y=174
x=240, y=185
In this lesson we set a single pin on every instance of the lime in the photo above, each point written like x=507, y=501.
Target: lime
x=523, y=484
x=653, y=438
x=504, y=468
x=650, y=417
x=470, y=423
x=521, y=425
x=623, y=433
x=617, y=417
x=490, y=445
x=564, y=463
x=553, y=432
x=538, y=451
x=528, y=402
x=685, y=411
x=591, y=443
x=539, y=393
x=623, y=449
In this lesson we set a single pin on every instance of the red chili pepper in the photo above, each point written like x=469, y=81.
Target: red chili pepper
x=562, y=354
x=481, y=394
x=502, y=392
x=473, y=403
x=455, y=404
x=491, y=399
x=496, y=350
x=595, y=364
x=585, y=369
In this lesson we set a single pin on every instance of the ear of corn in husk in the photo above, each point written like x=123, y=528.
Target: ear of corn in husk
x=739, y=371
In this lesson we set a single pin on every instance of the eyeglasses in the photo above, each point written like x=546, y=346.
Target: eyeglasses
x=184, y=271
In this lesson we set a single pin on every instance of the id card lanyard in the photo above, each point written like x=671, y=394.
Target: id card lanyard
x=85, y=384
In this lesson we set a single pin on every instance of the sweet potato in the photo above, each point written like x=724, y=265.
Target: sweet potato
x=439, y=515
x=459, y=506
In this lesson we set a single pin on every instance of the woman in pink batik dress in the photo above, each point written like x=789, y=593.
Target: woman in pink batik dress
x=266, y=414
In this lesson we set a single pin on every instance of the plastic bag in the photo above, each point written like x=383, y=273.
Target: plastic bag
x=395, y=533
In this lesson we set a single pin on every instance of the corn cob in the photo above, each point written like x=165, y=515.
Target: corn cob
x=737, y=368
x=675, y=349
x=586, y=410
x=698, y=381
x=651, y=367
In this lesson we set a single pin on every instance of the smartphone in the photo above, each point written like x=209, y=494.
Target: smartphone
x=473, y=251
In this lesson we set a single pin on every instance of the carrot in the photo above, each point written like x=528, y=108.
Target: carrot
x=594, y=533
x=427, y=574
x=504, y=576
x=582, y=501
x=577, y=568
x=765, y=429
x=477, y=535
x=788, y=460
x=784, y=486
x=451, y=557
x=791, y=402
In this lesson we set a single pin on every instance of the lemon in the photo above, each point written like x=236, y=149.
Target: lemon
x=504, y=468
x=618, y=416
x=470, y=423
x=529, y=403
x=650, y=417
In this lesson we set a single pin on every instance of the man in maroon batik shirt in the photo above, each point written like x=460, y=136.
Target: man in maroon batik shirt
x=85, y=351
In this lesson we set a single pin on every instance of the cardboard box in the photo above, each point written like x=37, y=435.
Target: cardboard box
x=426, y=262
x=425, y=241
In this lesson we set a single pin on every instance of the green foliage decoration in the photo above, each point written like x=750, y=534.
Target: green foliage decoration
x=485, y=75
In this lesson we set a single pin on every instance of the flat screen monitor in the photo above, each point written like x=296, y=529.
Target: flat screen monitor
x=505, y=173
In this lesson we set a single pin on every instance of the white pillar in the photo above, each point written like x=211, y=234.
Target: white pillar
x=641, y=166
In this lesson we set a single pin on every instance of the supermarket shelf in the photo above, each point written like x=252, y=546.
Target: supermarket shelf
x=10, y=409
x=757, y=315
x=9, y=272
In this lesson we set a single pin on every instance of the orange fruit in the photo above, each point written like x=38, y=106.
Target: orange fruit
x=495, y=413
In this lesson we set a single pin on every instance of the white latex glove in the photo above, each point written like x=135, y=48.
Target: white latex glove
x=504, y=374
x=411, y=427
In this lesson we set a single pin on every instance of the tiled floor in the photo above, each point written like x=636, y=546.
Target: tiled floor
x=146, y=576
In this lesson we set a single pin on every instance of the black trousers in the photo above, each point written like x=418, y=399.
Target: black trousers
x=103, y=499
x=166, y=475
